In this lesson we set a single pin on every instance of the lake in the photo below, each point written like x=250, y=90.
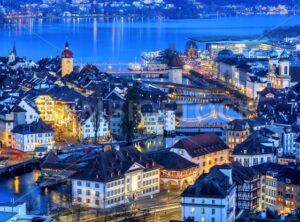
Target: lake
x=120, y=41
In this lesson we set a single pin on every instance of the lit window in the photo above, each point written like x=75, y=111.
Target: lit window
x=193, y=210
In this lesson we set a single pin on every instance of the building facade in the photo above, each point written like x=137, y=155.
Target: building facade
x=116, y=178
x=205, y=150
x=27, y=137
x=211, y=198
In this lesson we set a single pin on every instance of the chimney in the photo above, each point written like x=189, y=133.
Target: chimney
x=119, y=173
x=112, y=174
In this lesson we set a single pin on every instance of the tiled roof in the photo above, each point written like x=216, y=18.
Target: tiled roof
x=113, y=164
x=201, y=144
x=212, y=185
x=34, y=127
x=253, y=146
x=171, y=161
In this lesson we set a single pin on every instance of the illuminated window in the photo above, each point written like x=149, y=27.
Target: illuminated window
x=193, y=210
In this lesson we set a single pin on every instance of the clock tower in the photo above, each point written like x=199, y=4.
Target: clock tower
x=66, y=61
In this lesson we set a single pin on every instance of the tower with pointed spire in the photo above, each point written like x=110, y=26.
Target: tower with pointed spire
x=67, y=61
x=12, y=55
x=273, y=60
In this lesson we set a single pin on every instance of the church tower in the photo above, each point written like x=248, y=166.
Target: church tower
x=284, y=69
x=12, y=55
x=273, y=60
x=66, y=61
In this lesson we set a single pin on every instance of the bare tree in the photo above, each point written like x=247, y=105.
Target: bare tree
x=96, y=113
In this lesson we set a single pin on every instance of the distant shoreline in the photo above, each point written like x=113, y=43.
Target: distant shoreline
x=11, y=20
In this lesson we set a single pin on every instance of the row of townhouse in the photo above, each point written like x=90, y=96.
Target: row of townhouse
x=227, y=190
x=250, y=76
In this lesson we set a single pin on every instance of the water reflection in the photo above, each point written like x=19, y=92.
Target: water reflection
x=16, y=184
x=24, y=188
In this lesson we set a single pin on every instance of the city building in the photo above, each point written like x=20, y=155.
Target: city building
x=279, y=187
x=176, y=172
x=285, y=137
x=237, y=131
x=169, y=121
x=27, y=137
x=88, y=128
x=31, y=113
x=205, y=150
x=256, y=149
x=211, y=198
x=58, y=107
x=116, y=123
x=152, y=119
x=248, y=187
x=116, y=177
x=10, y=117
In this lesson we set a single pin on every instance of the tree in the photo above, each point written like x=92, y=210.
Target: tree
x=96, y=113
x=131, y=114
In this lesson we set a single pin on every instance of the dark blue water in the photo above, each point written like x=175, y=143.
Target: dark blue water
x=121, y=40
x=22, y=187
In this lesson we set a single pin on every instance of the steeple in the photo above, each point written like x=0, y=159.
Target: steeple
x=273, y=60
x=273, y=54
x=14, y=49
x=12, y=55
x=284, y=56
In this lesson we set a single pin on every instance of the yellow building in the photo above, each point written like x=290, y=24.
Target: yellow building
x=205, y=150
x=60, y=115
x=66, y=61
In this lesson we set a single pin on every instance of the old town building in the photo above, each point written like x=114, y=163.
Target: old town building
x=206, y=150
x=116, y=177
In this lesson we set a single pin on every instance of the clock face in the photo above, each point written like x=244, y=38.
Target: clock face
x=68, y=61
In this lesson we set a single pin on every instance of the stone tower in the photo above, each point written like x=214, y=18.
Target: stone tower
x=284, y=69
x=175, y=69
x=67, y=61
